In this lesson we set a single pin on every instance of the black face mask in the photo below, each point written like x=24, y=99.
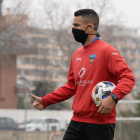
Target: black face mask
x=81, y=36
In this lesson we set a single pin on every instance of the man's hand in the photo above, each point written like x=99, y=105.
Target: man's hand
x=106, y=105
x=38, y=103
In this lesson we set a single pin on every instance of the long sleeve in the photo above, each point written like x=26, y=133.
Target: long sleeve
x=62, y=93
x=119, y=68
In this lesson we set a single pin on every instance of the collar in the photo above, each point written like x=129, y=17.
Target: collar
x=96, y=38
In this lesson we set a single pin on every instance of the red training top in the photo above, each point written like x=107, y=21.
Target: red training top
x=90, y=65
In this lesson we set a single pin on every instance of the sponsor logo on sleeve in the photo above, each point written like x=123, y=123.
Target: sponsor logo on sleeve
x=115, y=53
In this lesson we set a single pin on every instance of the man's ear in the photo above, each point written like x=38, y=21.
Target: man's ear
x=91, y=27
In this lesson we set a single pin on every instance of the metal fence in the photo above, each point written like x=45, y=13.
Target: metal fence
x=36, y=135
x=126, y=129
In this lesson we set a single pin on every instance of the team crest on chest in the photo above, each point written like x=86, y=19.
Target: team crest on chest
x=92, y=58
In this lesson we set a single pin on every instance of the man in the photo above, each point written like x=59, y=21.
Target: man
x=92, y=63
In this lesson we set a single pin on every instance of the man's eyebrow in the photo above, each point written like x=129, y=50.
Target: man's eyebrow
x=76, y=24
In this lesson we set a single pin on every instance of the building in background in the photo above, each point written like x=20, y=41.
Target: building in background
x=30, y=53
x=39, y=55
x=47, y=65
x=11, y=46
x=127, y=41
x=49, y=61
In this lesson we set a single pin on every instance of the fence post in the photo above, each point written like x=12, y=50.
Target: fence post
x=48, y=130
x=120, y=130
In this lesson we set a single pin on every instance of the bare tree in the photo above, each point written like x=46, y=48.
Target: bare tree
x=14, y=26
x=58, y=22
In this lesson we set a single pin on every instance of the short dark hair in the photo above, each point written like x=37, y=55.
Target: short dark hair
x=88, y=15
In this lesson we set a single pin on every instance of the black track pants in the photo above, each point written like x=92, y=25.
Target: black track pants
x=89, y=131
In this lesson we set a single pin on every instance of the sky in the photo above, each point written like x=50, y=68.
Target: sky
x=130, y=9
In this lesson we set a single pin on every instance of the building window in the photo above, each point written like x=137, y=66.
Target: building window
x=19, y=71
x=37, y=73
x=42, y=51
x=26, y=72
x=27, y=60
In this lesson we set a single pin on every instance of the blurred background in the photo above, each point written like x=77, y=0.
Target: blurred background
x=36, y=45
